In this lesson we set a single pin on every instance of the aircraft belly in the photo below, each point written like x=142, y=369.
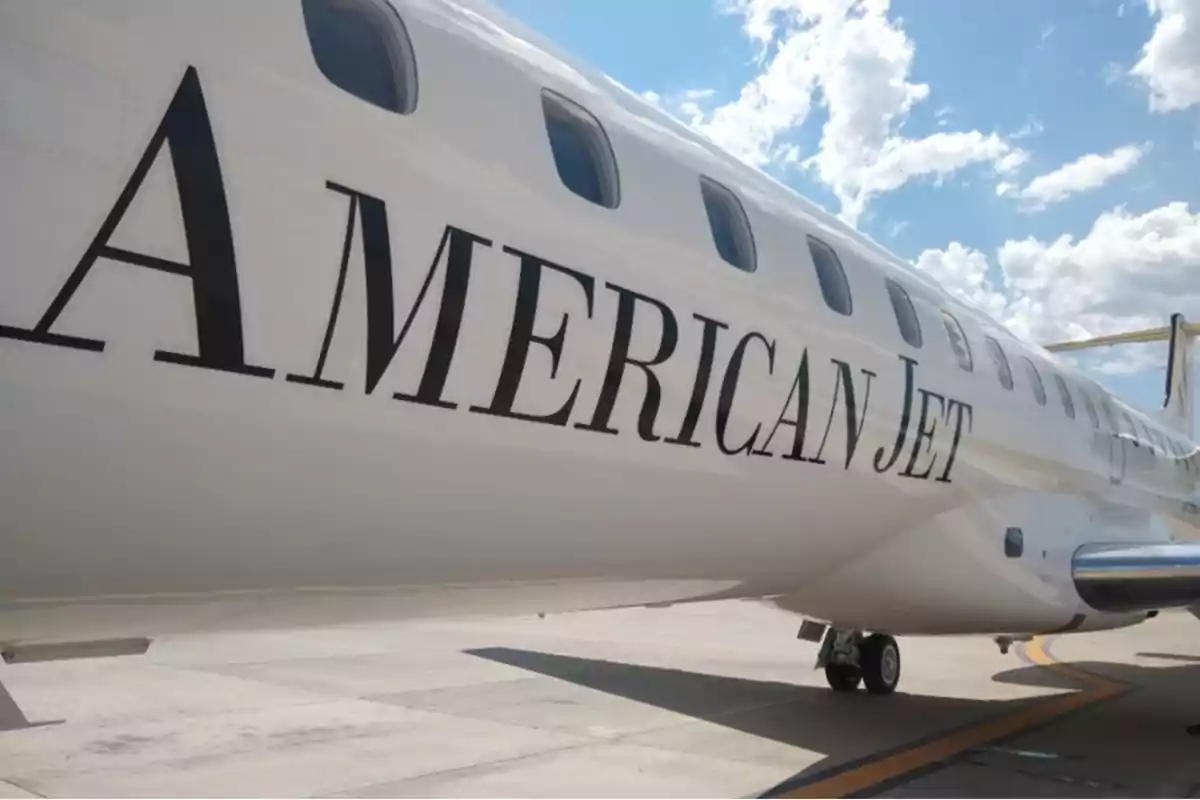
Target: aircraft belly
x=196, y=497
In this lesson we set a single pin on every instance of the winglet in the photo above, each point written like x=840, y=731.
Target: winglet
x=1177, y=403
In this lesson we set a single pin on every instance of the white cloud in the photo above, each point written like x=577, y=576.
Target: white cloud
x=685, y=105
x=1081, y=175
x=857, y=61
x=855, y=179
x=1170, y=60
x=1131, y=359
x=963, y=271
x=1129, y=272
x=1031, y=128
x=1011, y=160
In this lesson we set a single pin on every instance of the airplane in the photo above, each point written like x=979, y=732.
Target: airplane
x=326, y=312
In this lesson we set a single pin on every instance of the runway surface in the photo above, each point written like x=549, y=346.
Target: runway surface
x=713, y=699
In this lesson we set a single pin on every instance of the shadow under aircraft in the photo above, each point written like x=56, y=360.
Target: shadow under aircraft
x=842, y=726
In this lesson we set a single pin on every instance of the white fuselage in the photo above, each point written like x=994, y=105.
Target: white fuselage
x=445, y=419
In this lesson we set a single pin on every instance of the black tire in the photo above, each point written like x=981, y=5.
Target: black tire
x=879, y=656
x=842, y=677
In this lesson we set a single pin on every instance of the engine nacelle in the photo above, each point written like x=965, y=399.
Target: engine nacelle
x=1121, y=578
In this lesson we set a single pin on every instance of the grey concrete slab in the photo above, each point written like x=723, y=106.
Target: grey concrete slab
x=715, y=699
x=614, y=769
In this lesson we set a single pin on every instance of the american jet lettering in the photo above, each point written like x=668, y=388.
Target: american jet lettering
x=931, y=425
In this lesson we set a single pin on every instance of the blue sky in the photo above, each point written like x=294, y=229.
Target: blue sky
x=1005, y=124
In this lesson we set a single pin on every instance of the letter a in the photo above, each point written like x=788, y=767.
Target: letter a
x=213, y=272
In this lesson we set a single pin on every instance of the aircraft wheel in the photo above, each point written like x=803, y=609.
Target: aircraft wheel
x=842, y=677
x=880, y=659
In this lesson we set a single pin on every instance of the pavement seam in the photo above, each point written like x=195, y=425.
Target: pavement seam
x=13, y=782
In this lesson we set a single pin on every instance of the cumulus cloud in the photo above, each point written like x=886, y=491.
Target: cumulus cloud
x=851, y=58
x=963, y=271
x=1169, y=66
x=1081, y=175
x=1132, y=359
x=1031, y=128
x=685, y=105
x=1130, y=271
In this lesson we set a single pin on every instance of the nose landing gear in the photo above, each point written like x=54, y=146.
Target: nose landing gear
x=849, y=658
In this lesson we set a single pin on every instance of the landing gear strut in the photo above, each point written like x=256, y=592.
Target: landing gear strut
x=849, y=658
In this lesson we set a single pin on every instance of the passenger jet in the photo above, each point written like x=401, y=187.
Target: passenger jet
x=328, y=311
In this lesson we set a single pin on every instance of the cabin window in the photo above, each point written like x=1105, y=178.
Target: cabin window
x=958, y=341
x=730, y=227
x=361, y=46
x=1035, y=381
x=906, y=315
x=1089, y=408
x=582, y=153
x=835, y=288
x=1064, y=394
x=1003, y=370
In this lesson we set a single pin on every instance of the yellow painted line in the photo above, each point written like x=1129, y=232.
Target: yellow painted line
x=898, y=764
x=1038, y=655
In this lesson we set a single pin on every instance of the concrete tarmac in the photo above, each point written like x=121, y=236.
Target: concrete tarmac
x=707, y=700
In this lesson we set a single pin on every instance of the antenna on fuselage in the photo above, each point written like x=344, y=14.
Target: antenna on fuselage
x=1177, y=402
